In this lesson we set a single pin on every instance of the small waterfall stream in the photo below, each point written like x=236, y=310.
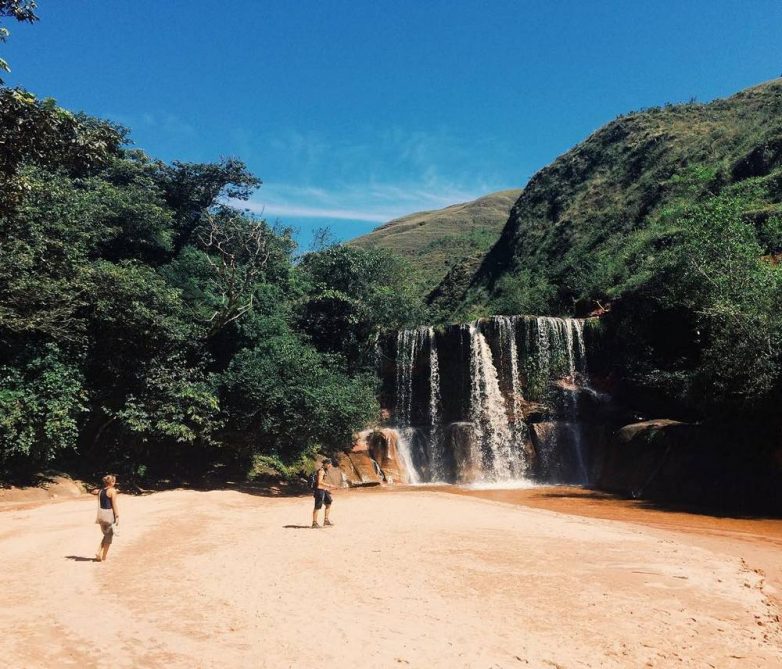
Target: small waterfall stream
x=435, y=446
x=493, y=401
x=488, y=413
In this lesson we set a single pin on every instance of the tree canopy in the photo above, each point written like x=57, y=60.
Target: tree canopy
x=147, y=326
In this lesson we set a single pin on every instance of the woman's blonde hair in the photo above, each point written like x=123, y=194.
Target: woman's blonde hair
x=109, y=479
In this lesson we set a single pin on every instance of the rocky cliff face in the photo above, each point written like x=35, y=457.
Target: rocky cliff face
x=375, y=458
x=735, y=468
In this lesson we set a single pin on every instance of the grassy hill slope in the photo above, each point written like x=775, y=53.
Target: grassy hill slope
x=568, y=234
x=436, y=240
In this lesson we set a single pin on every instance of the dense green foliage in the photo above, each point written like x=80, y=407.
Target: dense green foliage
x=698, y=327
x=148, y=328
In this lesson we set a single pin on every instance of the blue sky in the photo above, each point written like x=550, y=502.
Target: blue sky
x=355, y=112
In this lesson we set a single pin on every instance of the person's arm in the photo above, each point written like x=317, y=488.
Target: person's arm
x=322, y=483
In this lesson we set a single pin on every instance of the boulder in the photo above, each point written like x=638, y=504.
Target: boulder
x=374, y=458
x=460, y=440
x=638, y=454
x=731, y=466
x=383, y=447
x=360, y=469
x=62, y=486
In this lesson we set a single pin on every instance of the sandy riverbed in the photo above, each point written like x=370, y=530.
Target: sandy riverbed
x=416, y=578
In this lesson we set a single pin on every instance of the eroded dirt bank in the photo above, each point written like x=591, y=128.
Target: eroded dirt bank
x=407, y=577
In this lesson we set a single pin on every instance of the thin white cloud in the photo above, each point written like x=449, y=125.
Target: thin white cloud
x=372, y=174
x=303, y=211
x=371, y=202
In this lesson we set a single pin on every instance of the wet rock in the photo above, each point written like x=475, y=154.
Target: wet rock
x=721, y=465
x=461, y=442
x=374, y=458
x=566, y=451
x=383, y=448
x=534, y=412
x=638, y=455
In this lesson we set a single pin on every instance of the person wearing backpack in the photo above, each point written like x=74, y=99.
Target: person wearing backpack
x=320, y=490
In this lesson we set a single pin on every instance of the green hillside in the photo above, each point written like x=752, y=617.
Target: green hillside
x=569, y=235
x=437, y=240
x=669, y=222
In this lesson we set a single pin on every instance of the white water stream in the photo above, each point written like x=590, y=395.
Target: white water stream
x=499, y=449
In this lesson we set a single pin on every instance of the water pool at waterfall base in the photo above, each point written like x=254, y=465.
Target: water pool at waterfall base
x=518, y=484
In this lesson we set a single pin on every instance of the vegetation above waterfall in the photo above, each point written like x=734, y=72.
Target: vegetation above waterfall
x=672, y=219
x=146, y=327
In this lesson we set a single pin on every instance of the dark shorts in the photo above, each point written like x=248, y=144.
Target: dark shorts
x=321, y=496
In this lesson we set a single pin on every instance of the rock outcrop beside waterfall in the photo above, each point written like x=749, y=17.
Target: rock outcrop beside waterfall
x=729, y=467
x=377, y=456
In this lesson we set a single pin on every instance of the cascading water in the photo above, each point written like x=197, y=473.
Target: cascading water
x=410, y=344
x=509, y=352
x=489, y=414
x=407, y=345
x=562, y=353
x=468, y=421
x=404, y=444
x=435, y=446
x=575, y=331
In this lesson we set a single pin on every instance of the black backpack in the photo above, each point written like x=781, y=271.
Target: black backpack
x=313, y=480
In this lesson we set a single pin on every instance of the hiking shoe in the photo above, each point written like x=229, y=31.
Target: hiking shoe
x=328, y=523
x=315, y=525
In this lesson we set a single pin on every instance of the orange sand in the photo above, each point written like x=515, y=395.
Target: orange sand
x=408, y=577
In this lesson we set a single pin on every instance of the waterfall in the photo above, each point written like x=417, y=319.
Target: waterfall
x=508, y=327
x=407, y=348
x=578, y=326
x=561, y=355
x=436, y=455
x=511, y=383
x=406, y=435
x=411, y=344
x=488, y=412
x=575, y=331
x=544, y=352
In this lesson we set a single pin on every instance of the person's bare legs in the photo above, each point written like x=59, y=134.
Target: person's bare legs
x=326, y=520
x=314, y=517
x=103, y=549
